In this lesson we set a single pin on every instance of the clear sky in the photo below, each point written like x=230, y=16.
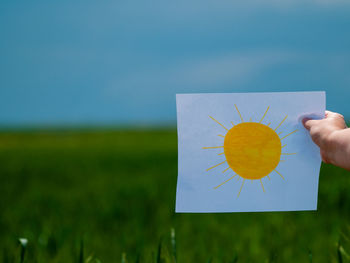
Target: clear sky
x=122, y=62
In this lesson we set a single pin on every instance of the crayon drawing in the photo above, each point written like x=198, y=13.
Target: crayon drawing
x=253, y=150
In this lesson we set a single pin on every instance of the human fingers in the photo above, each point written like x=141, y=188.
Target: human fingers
x=308, y=124
x=324, y=156
x=336, y=118
x=335, y=115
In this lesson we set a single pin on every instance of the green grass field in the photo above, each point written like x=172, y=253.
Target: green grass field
x=115, y=190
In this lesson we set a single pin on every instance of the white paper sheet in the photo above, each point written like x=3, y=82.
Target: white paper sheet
x=265, y=169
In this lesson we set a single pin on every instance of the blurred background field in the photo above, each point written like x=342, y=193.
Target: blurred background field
x=118, y=63
x=115, y=190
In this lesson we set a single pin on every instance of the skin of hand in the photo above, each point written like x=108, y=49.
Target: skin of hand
x=333, y=137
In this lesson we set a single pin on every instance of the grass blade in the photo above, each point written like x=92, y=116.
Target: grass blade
x=310, y=256
x=159, y=251
x=173, y=243
x=235, y=259
x=23, y=243
x=124, y=258
x=81, y=252
x=339, y=255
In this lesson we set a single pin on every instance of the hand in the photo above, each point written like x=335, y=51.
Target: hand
x=333, y=138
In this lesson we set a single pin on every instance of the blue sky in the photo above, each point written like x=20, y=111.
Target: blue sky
x=122, y=62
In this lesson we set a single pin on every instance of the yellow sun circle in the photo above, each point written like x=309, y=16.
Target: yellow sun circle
x=252, y=150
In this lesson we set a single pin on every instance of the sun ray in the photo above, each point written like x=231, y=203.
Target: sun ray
x=240, y=115
x=216, y=187
x=250, y=119
x=241, y=188
x=269, y=124
x=282, y=160
x=226, y=169
x=221, y=136
x=279, y=133
x=279, y=173
x=281, y=122
x=284, y=146
x=215, y=165
x=262, y=185
x=264, y=114
x=232, y=123
x=289, y=134
x=215, y=147
x=221, y=153
x=288, y=153
x=268, y=177
x=218, y=123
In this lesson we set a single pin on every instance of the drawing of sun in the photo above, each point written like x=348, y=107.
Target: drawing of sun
x=253, y=150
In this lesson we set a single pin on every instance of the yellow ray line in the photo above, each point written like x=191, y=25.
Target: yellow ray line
x=262, y=185
x=241, y=188
x=282, y=160
x=284, y=146
x=288, y=153
x=232, y=123
x=265, y=114
x=281, y=122
x=216, y=187
x=269, y=124
x=238, y=178
x=239, y=113
x=221, y=136
x=250, y=119
x=215, y=147
x=268, y=177
x=226, y=169
x=218, y=123
x=220, y=153
x=279, y=174
x=215, y=165
x=279, y=133
x=289, y=134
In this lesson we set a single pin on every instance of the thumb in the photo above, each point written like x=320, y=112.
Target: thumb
x=309, y=123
